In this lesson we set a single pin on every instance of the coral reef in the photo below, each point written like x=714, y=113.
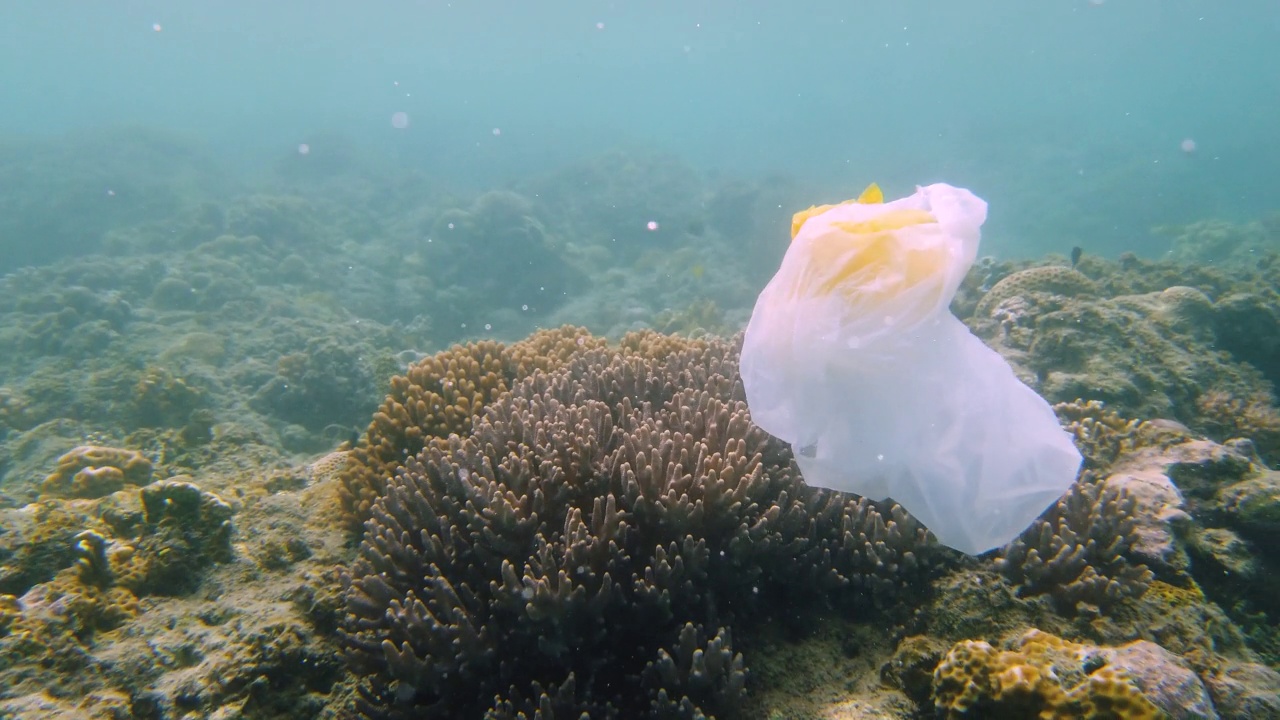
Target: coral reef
x=1247, y=324
x=604, y=520
x=700, y=317
x=1076, y=551
x=1237, y=505
x=1101, y=433
x=620, y=501
x=90, y=471
x=1150, y=355
x=1256, y=418
x=66, y=192
x=327, y=383
x=442, y=394
x=628, y=192
x=74, y=638
x=1044, y=676
x=1245, y=690
x=36, y=542
x=281, y=220
x=1048, y=280
x=1156, y=497
x=1221, y=242
x=124, y=347
x=161, y=399
x=154, y=542
x=495, y=259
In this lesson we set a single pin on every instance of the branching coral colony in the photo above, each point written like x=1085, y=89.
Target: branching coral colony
x=593, y=539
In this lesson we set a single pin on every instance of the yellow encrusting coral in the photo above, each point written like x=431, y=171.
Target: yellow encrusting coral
x=93, y=471
x=1044, y=677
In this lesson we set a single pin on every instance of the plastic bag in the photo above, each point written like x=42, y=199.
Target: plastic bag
x=854, y=358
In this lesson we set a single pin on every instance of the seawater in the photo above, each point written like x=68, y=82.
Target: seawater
x=1083, y=122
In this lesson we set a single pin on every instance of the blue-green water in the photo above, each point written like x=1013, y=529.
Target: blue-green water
x=248, y=468
x=1068, y=116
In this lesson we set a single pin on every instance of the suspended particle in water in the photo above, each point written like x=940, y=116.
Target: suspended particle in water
x=525, y=308
x=111, y=193
x=156, y=27
x=652, y=225
x=400, y=120
x=405, y=692
x=599, y=26
x=497, y=132
x=1188, y=146
x=488, y=326
x=304, y=149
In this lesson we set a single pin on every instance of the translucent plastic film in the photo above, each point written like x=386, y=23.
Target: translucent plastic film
x=853, y=357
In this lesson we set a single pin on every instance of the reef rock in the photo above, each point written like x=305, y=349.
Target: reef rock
x=1246, y=691
x=1151, y=355
x=1254, y=504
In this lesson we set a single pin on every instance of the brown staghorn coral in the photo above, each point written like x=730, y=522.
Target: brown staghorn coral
x=699, y=670
x=440, y=395
x=1076, y=552
x=589, y=544
x=1104, y=436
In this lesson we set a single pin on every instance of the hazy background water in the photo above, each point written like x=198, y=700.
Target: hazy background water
x=1069, y=116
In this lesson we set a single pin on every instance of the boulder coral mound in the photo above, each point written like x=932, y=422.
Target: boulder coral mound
x=1048, y=280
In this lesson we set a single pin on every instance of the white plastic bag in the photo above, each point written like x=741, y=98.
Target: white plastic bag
x=853, y=357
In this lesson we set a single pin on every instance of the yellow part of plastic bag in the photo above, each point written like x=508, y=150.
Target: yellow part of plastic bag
x=854, y=358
